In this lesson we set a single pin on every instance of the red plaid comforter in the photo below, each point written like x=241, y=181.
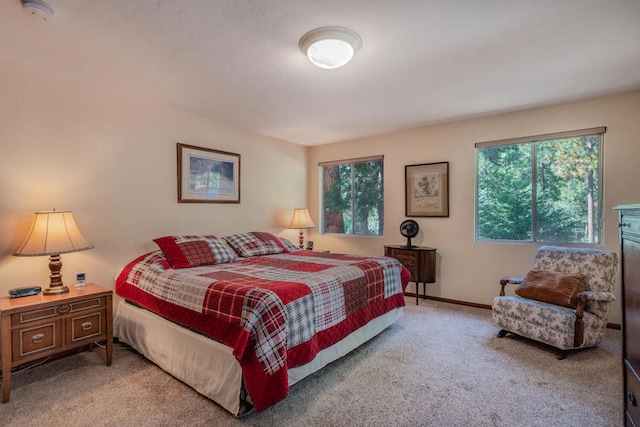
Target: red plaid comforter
x=275, y=311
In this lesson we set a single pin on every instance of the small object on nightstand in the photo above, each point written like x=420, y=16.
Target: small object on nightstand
x=81, y=279
x=310, y=245
x=409, y=229
x=24, y=291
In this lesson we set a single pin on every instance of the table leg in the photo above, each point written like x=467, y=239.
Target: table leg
x=6, y=386
x=5, y=355
x=109, y=346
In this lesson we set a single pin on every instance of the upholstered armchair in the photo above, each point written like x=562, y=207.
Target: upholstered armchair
x=583, y=278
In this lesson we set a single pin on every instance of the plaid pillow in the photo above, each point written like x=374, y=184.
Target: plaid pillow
x=289, y=246
x=255, y=243
x=192, y=251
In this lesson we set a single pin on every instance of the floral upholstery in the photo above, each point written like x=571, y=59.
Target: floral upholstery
x=556, y=325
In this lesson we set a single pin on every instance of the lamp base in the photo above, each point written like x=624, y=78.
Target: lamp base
x=56, y=287
x=56, y=290
x=301, y=239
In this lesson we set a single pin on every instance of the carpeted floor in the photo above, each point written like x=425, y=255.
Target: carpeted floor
x=440, y=365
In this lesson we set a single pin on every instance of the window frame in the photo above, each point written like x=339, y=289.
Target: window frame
x=321, y=204
x=532, y=140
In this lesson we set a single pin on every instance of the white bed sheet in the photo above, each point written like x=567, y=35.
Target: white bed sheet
x=208, y=366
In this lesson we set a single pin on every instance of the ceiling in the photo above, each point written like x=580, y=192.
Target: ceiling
x=421, y=62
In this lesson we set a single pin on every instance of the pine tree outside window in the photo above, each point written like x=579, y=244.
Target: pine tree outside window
x=352, y=196
x=545, y=188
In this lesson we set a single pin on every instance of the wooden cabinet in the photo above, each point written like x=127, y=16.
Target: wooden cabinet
x=419, y=260
x=39, y=326
x=630, y=256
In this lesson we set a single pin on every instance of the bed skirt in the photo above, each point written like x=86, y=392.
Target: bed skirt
x=208, y=366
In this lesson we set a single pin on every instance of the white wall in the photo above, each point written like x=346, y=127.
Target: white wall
x=112, y=161
x=470, y=271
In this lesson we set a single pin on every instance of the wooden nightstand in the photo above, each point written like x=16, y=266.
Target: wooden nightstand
x=419, y=260
x=38, y=326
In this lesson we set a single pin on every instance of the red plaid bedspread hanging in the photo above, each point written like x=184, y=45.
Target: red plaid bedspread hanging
x=275, y=311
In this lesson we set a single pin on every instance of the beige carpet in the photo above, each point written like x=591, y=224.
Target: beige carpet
x=440, y=365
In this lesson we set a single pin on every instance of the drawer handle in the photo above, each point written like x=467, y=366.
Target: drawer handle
x=632, y=399
x=86, y=326
x=37, y=338
x=64, y=309
x=624, y=225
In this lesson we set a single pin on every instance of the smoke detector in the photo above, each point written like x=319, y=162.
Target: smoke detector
x=38, y=8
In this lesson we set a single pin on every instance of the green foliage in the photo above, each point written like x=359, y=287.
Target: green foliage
x=338, y=196
x=356, y=194
x=561, y=196
x=368, y=200
x=504, y=193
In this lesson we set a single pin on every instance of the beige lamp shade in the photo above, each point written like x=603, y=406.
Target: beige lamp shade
x=53, y=233
x=301, y=220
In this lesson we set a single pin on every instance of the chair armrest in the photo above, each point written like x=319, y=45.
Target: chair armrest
x=598, y=296
x=582, y=301
x=509, y=281
x=512, y=280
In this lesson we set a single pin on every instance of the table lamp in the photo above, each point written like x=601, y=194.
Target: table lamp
x=301, y=220
x=53, y=233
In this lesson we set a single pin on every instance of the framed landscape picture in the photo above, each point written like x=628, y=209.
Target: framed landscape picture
x=427, y=189
x=207, y=176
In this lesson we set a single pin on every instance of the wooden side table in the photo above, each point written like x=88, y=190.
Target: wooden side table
x=419, y=260
x=38, y=326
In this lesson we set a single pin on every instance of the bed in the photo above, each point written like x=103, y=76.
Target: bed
x=242, y=318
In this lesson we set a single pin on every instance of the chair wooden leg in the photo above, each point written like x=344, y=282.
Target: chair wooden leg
x=502, y=333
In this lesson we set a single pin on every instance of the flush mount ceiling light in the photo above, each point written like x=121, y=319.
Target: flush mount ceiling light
x=37, y=8
x=330, y=47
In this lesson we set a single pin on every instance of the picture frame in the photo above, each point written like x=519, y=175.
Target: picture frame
x=206, y=175
x=427, y=190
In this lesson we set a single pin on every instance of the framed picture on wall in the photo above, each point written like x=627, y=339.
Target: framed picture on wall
x=427, y=189
x=207, y=176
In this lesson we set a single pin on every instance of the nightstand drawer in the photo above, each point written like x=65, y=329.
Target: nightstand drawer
x=86, y=304
x=86, y=326
x=408, y=261
x=34, y=316
x=28, y=342
x=407, y=258
x=56, y=310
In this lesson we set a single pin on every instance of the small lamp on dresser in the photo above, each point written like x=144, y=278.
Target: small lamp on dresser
x=301, y=220
x=53, y=233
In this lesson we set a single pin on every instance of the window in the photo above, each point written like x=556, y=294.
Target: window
x=352, y=196
x=545, y=188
